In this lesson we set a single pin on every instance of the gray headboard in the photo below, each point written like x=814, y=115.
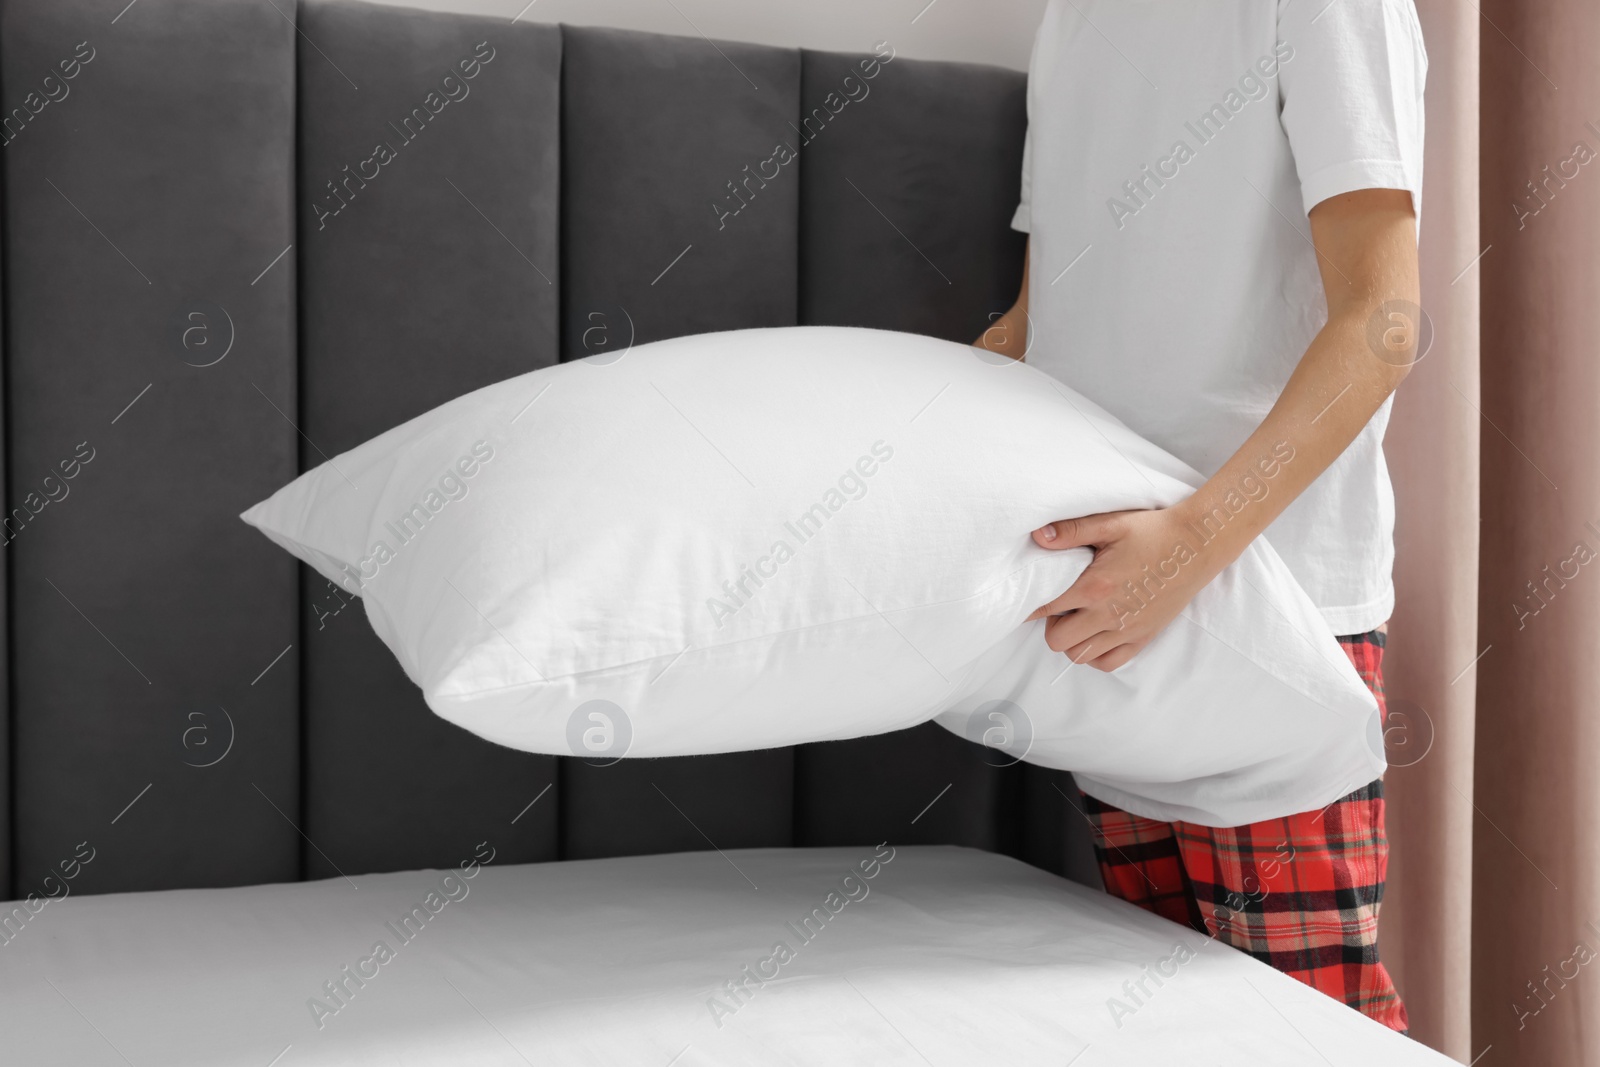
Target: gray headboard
x=234, y=245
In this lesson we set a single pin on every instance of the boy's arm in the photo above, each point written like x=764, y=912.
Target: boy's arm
x=1367, y=252
x=1008, y=334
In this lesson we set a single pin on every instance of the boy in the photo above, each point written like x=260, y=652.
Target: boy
x=1221, y=198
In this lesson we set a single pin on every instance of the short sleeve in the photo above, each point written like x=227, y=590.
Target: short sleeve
x=1351, y=79
x=1023, y=219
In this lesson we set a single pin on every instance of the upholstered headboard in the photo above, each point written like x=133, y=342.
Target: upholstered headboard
x=240, y=237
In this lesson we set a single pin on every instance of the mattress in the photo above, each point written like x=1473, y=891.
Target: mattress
x=916, y=955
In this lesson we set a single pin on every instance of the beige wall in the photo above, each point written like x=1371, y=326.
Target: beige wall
x=993, y=31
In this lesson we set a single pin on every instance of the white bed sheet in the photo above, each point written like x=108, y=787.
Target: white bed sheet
x=952, y=957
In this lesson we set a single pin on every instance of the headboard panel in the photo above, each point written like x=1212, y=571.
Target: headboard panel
x=653, y=130
x=429, y=271
x=140, y=202
x=908, y=195
x=582, y=190
x=909, y=172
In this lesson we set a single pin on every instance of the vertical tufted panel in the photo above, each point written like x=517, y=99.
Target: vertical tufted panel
x=911, y=171
x=428, y=247
x=668, y=222
x=149, y=319
x=908, y=194
x=657, y=134
x=924, y=785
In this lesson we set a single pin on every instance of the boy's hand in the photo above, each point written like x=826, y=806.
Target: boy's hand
x=1007, y=334
x=1147, y=566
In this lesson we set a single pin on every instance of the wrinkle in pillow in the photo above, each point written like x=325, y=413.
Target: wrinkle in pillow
x=764, y=537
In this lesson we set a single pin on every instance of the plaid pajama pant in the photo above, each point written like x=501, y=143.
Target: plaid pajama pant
x=1300, y=893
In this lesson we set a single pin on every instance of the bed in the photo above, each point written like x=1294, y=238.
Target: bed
x=211, y=284
x=944, y=956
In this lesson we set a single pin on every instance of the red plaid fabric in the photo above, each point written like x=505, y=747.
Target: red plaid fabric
x=1300, y=893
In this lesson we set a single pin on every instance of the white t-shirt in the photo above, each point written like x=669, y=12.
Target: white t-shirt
x=1174, y=150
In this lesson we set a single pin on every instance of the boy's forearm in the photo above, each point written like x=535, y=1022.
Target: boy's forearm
x=1325, y=405
x=1352, y=366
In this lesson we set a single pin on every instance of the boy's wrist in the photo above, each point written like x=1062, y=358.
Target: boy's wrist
x=1216, y=541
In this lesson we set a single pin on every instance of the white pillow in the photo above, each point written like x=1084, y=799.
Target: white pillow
x=765, y=537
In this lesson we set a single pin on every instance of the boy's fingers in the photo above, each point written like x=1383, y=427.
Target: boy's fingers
x=1074, y=599
x=1115, y=658
x=1090, y=588
x=1085, y=532
x=1067, y=632
x=1086, y=651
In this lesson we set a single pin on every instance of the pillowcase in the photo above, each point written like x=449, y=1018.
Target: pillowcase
x=765, y=537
